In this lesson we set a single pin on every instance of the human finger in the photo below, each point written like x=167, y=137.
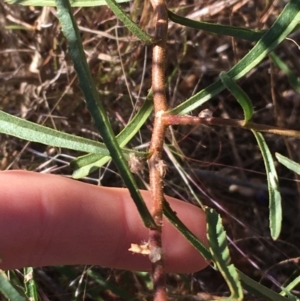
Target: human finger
x=51, y=220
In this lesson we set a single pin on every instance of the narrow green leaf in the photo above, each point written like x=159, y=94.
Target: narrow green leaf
x=240, y=95
x=33, y=132
x=132, y=26
x=291, y=286
x=8, y=290
x=288, y=163
x=249, y=284
x=259, y=290
x=275, y=208
x=293, y=79
x=30, y=285
x=75, y=3
x=86, y=164
x=286, y=292
x=17, y=27
x=283, y=26
x=236, y=32
x=178, y=224
x=96, y=108
x=218, y=248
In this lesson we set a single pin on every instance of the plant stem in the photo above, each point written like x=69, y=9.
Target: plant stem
x=193, y=120
x=156, y=165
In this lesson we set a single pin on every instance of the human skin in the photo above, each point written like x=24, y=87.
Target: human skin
x=48, y=220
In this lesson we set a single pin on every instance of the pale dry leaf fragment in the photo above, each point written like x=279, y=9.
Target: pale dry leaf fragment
x=162, y=168
x=206, y=113
x=140, y=249
x=212, y=9
x=28, y=277
x=159, y=115
x=43, y=21
x=108, y=58
x=244, y=191
x=135, y=163
x=35, y=63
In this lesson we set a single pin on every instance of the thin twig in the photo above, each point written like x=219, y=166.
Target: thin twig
x=193, y=120
x=156, y=165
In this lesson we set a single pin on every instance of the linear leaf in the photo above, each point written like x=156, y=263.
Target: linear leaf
x=86, y=164
x=75, y=3
x=286, y=292
x=293, y=79
x=96, y=108
x=249, y=284
x=291, y=286
x=275, y=208
x=259, y=290
x=30, y=285
x=8, y=290
x=132, y=26
x=288, y=163
x=239, y=94
x=24, y=129
x=282, y=27
x=178, y=224
x=218, y=248
x=237, y=32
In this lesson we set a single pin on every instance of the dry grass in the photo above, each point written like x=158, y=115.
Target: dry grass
x=38, y=83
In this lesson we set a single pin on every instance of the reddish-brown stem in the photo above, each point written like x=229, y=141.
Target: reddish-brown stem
x=193, y=120
x=156, y=146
